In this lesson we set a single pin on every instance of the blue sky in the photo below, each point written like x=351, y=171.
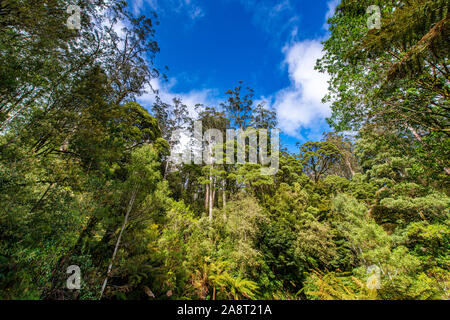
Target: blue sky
x=272, y=45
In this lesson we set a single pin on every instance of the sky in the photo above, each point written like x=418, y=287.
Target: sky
x=271, y=45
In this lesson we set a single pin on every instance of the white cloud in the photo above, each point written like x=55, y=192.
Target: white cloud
x=299, y=105
x=137, y=6
x=332, y=4
x=269, y=16
x=189, y=7
x=195, y=13
x=207, y=97
x=119, y=29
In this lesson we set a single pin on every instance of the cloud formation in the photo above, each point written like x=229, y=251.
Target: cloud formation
x=189, y=7
x=299, y=105
x=207, y=97
x=332, y=4
x=270, y=15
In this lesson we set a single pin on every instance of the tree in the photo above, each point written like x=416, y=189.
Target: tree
x=318, y=157
x=144, y=181
x=239, y=106
x=212, y=119
x=349, y=164
x=263, y=118
x=173, y=120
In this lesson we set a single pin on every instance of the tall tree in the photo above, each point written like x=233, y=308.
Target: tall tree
x=239, y=106
x=318, y=157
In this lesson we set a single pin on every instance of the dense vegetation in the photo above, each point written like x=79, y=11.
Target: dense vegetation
x=85, y=177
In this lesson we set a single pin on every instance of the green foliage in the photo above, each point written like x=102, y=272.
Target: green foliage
x=318, y=157
x=82, y=166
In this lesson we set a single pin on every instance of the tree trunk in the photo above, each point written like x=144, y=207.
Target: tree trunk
x=166, y=168
x=206, y=196
x=210, y=197
x=211, y=185
x=224, y=199
x=125, y=221
x=214, y=194
x=349, y=166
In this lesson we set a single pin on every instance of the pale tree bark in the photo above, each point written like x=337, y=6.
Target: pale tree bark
x=349, y=166
x=211, y=186
x=206, y=196
x=166, y=169
x=125, y=221
x=224, y=199
x=210, y=197
x=214, y=193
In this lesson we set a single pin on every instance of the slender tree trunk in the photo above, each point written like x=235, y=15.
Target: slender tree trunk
x=210, y=197
x=214, y=193
x=349, y=166
x=125, y=221
x=224, y=199
x=206, y=196
x=166, y=168
x=211, y=185
x=42, y=197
